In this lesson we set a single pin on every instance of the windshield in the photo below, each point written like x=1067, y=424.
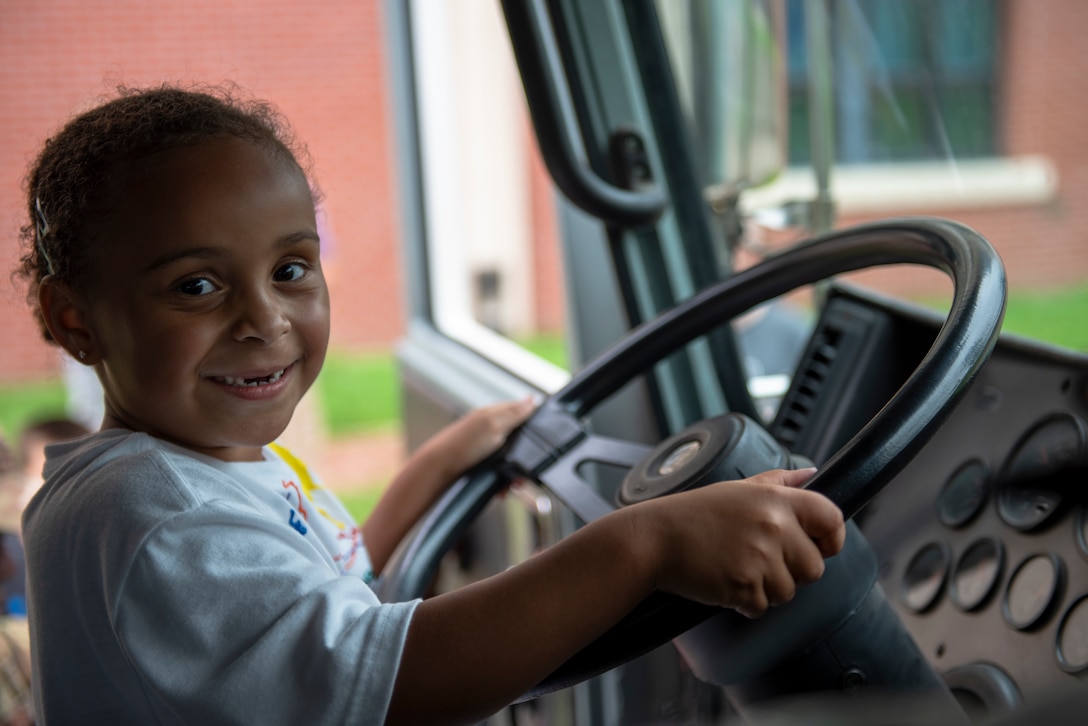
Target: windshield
x=811, y=115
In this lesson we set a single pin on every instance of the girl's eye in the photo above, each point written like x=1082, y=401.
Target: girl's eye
x=290, y=272
x=196, y=286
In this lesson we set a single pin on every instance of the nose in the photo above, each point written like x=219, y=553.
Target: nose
x=260, y=315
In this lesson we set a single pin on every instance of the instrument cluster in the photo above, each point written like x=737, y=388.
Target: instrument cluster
x=983, y=538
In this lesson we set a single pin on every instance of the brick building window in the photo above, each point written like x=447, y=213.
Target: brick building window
x=914, y=80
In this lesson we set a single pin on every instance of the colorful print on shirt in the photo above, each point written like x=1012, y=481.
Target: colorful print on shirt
x=317, y=512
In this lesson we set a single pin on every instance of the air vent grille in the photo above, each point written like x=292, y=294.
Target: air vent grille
x=799, y=405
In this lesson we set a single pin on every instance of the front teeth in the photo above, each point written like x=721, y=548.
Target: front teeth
x=232, y=381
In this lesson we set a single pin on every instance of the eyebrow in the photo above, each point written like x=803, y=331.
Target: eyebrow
x=204, y=253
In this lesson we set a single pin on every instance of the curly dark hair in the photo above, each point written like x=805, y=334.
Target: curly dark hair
x=75, y=178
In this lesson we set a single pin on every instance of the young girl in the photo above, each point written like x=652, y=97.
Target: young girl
x=184, y=569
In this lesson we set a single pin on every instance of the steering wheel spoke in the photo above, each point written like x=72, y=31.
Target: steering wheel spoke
x=565, y=478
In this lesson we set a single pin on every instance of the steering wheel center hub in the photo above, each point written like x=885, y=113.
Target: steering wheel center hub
x=723, y=448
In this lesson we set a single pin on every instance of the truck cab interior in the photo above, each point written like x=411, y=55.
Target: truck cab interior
x=675, y=141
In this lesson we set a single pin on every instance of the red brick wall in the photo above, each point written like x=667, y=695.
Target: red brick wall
x=547, y=264
x=1046, y=110
x=320, y=61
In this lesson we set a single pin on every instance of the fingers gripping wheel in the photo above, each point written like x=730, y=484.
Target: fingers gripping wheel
x=554, y=443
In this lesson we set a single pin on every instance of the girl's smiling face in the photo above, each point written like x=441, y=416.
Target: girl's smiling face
x=207, y=307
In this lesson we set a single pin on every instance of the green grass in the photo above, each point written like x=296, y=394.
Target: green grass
x=1057, y=316
x=551, y=348
x=359, y=392
x=25, y=403
x=1052, y=316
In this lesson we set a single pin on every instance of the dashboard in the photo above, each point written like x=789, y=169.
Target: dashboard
x=982, y=540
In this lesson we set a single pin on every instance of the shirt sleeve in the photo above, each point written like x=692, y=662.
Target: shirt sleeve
x=230, y=619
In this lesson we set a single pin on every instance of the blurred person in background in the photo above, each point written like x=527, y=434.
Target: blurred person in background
x=16, y=701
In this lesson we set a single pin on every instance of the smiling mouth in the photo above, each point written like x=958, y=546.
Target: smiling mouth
x=250, y=382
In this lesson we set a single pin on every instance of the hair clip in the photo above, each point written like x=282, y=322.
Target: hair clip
x=43, y=230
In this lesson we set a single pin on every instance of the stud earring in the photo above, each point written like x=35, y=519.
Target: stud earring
x=83, y=355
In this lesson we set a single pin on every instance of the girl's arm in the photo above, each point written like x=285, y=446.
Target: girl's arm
x=432, y=469
x=745, y=545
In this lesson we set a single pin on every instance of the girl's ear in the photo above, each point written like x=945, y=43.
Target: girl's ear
x=65, y=315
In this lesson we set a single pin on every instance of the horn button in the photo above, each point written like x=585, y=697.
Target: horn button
x=723, y=448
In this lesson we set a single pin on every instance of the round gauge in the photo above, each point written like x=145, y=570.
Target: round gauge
x=1034, y=589
x=1025, y=500
x=925, y=577
x=1072, y=642
x=977, y=573
x=964, y=494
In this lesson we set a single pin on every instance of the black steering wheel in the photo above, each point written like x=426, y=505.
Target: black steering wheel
x=555, y=442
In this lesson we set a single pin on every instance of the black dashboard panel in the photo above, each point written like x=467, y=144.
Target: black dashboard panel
x=983, y=539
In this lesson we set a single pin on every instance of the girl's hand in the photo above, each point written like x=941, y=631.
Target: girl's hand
x=433, y=468
x=744, y=544
x=476, y=435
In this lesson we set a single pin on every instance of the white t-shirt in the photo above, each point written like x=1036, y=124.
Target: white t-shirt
x=169, y=587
